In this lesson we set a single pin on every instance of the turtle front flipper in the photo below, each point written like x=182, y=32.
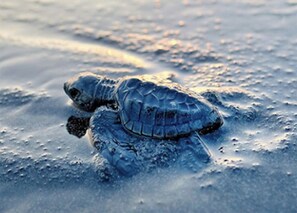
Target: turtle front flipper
x=194, y=153
x=112, y=141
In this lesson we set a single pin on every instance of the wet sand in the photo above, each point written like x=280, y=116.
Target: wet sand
x=243, y=53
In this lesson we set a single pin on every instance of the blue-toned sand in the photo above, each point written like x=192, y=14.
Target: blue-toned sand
x=241, y=56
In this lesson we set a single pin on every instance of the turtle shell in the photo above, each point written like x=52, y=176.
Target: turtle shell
x=163, y=111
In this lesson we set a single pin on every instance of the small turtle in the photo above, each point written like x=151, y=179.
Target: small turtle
x=130, y=155
x=145, y=123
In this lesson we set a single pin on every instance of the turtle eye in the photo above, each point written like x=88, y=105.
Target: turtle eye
x=73, y=92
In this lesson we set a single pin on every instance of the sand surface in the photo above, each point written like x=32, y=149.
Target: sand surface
x=244, y=52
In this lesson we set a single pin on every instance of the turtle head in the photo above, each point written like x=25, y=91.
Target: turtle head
x=89, y=91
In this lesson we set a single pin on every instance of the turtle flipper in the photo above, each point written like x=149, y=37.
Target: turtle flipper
x=194, y=153
x=104, y=169
x=112, y=141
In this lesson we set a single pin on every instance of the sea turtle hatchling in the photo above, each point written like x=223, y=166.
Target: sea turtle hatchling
x=145, y=109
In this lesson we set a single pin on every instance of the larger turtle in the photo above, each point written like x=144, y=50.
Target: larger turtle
x=145, y=108
x=145, y=124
